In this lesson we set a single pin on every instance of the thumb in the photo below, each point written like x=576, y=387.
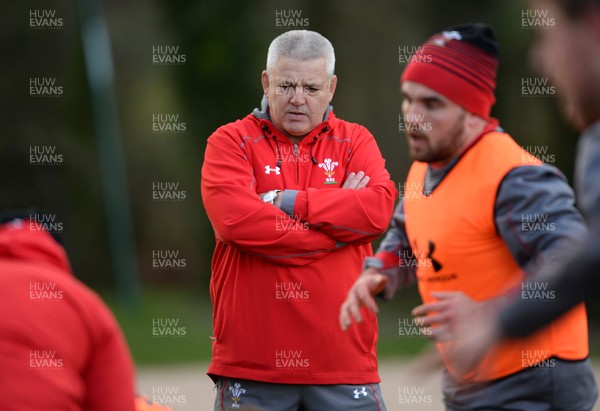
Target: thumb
x=379, y=283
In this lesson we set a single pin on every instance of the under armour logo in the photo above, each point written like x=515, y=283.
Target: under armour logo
x=452, y=35
x=357, y=393
x=268, y=170
x=436, y=264
x=447, y=35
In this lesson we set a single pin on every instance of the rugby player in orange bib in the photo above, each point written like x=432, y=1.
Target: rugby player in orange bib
x=479, y=214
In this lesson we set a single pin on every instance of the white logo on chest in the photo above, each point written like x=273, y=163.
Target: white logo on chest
x=276, y=170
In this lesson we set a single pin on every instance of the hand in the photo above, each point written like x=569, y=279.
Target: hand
x=470, y=325
x=451, y=309
x=277, y=201
x=473, y=341
x=356, y=181
x=369, y=283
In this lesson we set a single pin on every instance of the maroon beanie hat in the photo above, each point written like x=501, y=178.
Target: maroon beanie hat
x=461, y=64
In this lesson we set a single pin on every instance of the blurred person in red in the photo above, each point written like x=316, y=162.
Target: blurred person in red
x=60, y=347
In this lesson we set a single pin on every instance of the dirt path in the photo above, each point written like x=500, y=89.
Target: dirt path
x=406, y=385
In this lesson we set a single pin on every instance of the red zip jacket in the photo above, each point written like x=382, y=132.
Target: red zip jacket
x=60, y=347
x=278, y=280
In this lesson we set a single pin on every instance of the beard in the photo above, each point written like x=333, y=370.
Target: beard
x=444, y=149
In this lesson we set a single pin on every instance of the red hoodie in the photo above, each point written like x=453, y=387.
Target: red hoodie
x=278, y=281
x=60, y=347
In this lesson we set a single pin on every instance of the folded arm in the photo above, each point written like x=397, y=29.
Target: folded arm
x=350, y=215
x=240, y=218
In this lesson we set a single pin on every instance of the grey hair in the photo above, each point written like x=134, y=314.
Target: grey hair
x=301, y=45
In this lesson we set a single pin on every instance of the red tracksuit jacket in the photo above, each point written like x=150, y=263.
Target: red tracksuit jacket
x=60, y=347
x=278, y=280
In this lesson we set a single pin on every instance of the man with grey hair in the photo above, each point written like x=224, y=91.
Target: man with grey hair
x=302, y=45
x=295, y=196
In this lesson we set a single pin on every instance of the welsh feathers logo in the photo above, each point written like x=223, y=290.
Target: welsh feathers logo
x=328, y=167
x=236, y=392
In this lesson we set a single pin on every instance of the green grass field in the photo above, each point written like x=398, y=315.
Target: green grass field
x=192, y=314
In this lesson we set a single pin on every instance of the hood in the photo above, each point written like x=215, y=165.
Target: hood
x=26, y=241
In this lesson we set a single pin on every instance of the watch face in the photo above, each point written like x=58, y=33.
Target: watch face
x=270, y=196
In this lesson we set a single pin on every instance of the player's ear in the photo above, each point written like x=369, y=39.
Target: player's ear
x=264, y=78
x=474, y=123
x=332, y=85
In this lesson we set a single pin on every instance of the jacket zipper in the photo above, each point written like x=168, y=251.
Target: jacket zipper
x=296, y=152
